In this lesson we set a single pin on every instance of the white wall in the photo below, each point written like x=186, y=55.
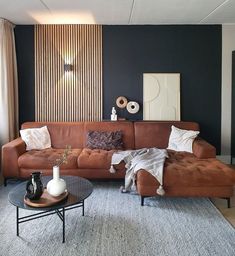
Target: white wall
x=228, y=45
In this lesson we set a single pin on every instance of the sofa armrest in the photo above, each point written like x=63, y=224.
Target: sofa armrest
x=203, y=149
x=10, y=154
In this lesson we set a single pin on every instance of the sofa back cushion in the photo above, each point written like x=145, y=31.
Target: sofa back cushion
x=156, y=133
x=62, y=133
x=126, y=127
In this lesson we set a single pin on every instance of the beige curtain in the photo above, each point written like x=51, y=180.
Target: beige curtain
x=8, y=83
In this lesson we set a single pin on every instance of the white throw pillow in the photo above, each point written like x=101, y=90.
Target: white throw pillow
x=182, y=140
x=36, y=138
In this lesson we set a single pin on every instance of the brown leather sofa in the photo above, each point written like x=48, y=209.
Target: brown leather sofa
x=185, y=174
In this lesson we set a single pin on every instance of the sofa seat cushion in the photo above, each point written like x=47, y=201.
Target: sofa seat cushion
x=183, y=169
x=45, y=159
x=95, y=159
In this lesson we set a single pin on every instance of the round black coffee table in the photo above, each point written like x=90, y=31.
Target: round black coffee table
x=79, y=189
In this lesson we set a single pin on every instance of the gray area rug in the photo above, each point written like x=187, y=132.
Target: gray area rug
x=115, y=224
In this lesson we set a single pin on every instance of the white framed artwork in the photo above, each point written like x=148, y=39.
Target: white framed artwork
x=161, y=96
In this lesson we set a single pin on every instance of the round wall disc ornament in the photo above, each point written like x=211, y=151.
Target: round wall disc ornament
x=133, y=107
x=121, y=102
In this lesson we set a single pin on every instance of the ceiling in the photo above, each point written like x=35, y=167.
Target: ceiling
x=123, y=12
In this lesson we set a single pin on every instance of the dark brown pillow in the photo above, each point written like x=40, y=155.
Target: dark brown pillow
x=104, y=140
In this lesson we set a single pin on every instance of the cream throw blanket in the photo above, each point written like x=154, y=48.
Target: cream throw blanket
x=150, y=159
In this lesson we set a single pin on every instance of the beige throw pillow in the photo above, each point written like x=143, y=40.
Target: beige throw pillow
x=181, y=140
x=36, y=138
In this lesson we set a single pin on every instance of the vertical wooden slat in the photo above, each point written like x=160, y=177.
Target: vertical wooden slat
x=75, y=96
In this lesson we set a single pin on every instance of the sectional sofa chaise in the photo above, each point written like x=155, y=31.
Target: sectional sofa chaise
x=185, y=174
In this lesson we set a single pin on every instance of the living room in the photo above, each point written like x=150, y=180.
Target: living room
x=85, y=70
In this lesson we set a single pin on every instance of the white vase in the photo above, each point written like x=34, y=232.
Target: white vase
x=56, y=186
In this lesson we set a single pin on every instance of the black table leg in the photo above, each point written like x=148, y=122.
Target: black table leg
x=63, y=211
x=60, y=212
x=17, y=221
x=83, y=208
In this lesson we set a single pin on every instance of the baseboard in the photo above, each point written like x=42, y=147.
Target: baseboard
x=233, y=161
x=225, y=159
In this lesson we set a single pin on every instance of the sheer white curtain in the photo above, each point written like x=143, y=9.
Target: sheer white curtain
x=8, y=83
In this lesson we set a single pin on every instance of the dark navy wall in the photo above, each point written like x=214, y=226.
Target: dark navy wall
x=192, y=51
x=128, y=52
x=24, y=37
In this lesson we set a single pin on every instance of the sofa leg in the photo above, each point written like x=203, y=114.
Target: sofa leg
x=142, y=200
x=5, y=182
x=228, y=201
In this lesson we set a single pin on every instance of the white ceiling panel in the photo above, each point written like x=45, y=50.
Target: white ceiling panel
x=118, y=11
x=224, y=14
x=91, y=11
x=20, y=11
x=172, y=11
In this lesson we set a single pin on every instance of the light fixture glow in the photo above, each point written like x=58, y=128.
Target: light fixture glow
x=63, y=17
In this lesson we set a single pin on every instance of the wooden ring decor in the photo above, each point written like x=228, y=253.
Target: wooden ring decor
x=133, y=107
x=121, y=102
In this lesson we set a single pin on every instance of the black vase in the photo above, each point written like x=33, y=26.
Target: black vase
x=34, y=186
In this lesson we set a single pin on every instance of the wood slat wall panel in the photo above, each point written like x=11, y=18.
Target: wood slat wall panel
x=68, y=96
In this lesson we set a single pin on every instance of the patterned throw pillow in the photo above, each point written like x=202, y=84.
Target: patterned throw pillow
x=104, y=140
x=36, y=138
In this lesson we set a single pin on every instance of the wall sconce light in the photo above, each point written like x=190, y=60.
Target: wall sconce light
x=68, y=67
